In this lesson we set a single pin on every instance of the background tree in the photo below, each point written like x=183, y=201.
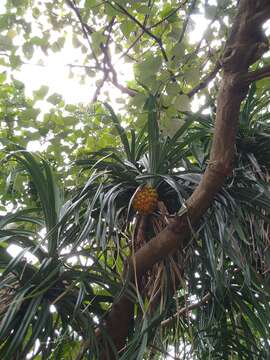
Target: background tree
x=130, y=259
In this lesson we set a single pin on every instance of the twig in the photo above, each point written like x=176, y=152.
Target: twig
x=148, y=32
x=124, y=89
x=257, y=74
x=186, y=309
x=109, y=69
x=73, y=6
x=168, y=16
x=87, y=30
x=132, y=45
x=146, y=17
x=192, y=6
x=80, y=66
x=106, y=66
x=206, y=80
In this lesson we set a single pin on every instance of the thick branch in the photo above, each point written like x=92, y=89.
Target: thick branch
x=241, y=51
x=263, y=15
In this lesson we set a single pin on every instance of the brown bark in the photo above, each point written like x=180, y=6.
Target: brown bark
x=245, y=45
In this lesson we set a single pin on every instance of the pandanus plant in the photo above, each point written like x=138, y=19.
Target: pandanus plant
x=136, y=190
x=144, y=185
x=211, y=297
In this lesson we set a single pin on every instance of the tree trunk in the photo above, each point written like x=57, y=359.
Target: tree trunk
x=245, y=46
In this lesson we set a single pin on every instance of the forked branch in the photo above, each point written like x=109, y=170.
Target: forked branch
x=241, y=51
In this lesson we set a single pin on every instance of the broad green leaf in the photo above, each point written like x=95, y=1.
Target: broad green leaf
x=173, y=89
x=15, y=61
x=28, y=50
x=11, y=33
x=39, y=41
x=138, y=100
x=5, y=43
x=127, y=27
x=193, y=75
x=178, y=51
x=90, y=3
x=144, y=9
x=3, y=77
x=149, y=67
x=41, y=92
x=98, y=38
x=58, y=44
x=182, y=103
x=54, y=99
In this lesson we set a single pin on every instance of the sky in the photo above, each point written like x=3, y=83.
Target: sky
x=55, y=72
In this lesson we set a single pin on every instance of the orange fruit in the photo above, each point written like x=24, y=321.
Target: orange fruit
x=145, y=200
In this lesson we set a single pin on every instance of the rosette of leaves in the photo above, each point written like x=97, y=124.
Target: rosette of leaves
x=212, y=299
x=144, y=159
x=219, y=264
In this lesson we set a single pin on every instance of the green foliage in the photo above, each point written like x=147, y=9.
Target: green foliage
x=145, y=157
x=68, y=209
x=29, y=289
x=226, y=258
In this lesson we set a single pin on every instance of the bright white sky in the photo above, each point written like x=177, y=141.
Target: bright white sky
x=55, y=72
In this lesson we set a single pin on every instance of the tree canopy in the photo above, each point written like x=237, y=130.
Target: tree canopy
x=141, y=227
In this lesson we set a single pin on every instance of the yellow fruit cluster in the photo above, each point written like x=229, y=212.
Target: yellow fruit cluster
x=145, y=200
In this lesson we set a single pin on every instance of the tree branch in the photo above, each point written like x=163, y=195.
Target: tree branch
x=168, y=16
x=206, y=80
x=132, y=45
x=256, y=75
x=110, y=69
x=241, y=51
x=184, y=28
x=148, y=32
x=73, y=6
x=85, y=28
x=263, y=15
